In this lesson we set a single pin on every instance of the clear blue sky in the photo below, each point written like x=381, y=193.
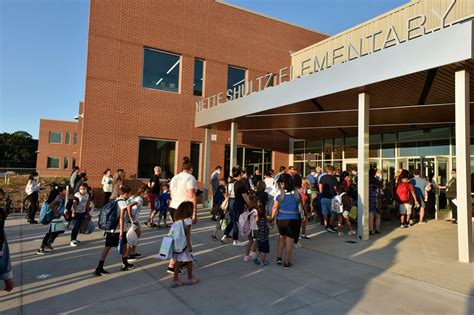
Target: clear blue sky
x=44, y=46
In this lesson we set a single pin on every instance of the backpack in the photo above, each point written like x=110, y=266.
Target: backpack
x=46, y=214
x=244, y=223
x=108, y=217
x=336, y=204
x=403, y=192
x=178, y=234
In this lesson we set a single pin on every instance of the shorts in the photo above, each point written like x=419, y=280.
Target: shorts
x=152, y=198
x=326, y=206
x=264, y=246
x=112, y=239
x=288, y=227
x=405, y=208
x=421, y=201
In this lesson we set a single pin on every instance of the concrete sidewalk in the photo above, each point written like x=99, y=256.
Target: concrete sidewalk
x=403, y=271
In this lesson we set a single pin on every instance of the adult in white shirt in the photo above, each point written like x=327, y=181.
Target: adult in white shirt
x=269, y=183
x=32, y=191
x=183, y=188
x=107, y=185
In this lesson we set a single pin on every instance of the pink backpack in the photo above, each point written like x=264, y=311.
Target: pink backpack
x=244, y=223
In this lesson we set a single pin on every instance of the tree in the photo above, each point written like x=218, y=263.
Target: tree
x=18, y=149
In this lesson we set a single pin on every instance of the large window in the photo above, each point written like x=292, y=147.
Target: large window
x=68, y=138
x=161, y=71
x=66, y=163
x=75, y=138
x=153, y=153
x=195, y=158
x=235, y=77
x=55, y=137
x=198, y=76
x=53, y=162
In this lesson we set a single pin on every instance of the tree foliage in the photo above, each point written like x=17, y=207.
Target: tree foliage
x=17, y=149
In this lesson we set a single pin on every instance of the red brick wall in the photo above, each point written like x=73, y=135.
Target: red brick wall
x=62, y=150
x=119, y=111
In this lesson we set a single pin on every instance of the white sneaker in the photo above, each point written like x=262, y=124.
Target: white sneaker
x=351, y=233
x=340, y=234
x=73, y=244
x=237, y=243
x=297, y=245
x=247, y=258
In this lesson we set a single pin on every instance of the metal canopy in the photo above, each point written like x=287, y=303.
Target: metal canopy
x=397, y=78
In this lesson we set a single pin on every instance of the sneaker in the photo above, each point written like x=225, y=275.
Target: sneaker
x=402, y=226
x=48, y=248
x=214, y=238
x=33, y=222
x=377, y=232
x=371, y=233
x=224, y=237
x=412, y=222
x=304, y=237
x=340, y=234
x=175, y=284
x=40, y=251
x=256, y=261
x=131, y=257
x=279, y=261
x=455, y=221
x=127, y=267
x=191, y=281
x=330, y=229
x=102, y=272
x=297, y=245
x=237, y=243
x=351, y=233
x=136, y=255
x=287, y=266
x=264, y=263
x=74, y=243
x=247, y=258
x=170, y=270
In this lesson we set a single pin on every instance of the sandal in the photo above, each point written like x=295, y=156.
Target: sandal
x=192, y=281
x=175, y=284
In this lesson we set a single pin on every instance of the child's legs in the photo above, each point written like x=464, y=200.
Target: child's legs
x=303, y=226
x=281, y=244
x=175, y=271
x=105, y=252
x=371, y=221
x=377, y=221
x=190, y=269
x=53, y=236
x=339, y=222
x=348, y=223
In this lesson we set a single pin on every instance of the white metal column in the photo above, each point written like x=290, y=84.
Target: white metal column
x=363, y=168
x=206, y=166
x=233, y=145
x=463, y=167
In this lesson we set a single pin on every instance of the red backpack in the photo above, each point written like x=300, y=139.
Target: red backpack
x=403, y=192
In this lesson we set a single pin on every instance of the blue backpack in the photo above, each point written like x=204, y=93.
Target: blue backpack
x=46, y=214
x=108, y=216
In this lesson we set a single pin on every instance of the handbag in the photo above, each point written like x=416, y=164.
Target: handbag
x=57, y=226
x=225, y=204
x=166, y=249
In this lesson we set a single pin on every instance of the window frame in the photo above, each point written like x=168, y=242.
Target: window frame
x=60, y=137
x=203, y=76
x=238, y=68
x=180, y=58
x=75, y=138
x=156, y=139
x=50, y=158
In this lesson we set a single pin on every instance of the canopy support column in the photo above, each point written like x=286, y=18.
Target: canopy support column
x=463, y=167
x=363, y=168
x=207, y=166
x=233, y=145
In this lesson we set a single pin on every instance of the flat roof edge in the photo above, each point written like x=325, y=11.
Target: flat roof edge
x=453, y=44
x=269, y=17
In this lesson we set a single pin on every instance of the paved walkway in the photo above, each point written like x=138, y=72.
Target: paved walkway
x=403, y=271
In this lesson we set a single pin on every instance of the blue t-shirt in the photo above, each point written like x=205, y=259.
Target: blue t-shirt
x=289, y=206
x=420, y=185
x=164, y=198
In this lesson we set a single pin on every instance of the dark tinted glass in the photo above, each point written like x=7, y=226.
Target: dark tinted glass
x=198, y=78
x=195, y=147
x=161, y=71
x=235, y=77
x=153, y=153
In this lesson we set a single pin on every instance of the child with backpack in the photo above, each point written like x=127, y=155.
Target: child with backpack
x=134, y=207
x=56, y=202
x=249, y=218
x=405, y=192
x=344, y=206
x=221, y=210
x=115, y=232
x=164, y=205
x=182, y=248
x=262, y=237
